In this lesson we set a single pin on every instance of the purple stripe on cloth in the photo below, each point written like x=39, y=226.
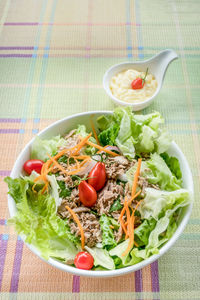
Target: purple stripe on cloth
x=69, y=24
x=76, y=284
x=2, y=222
x=17, y=48
x=4, y=130
x=15, y=55
x=9, y=120
x=21, y=24
x=16, y=267
x=138, y=281
x=3, y=250
x=155, y=277
x=4, y=172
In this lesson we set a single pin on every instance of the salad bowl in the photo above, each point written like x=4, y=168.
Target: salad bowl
x=60, y=128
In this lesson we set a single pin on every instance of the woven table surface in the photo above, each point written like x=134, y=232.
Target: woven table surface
x=53, y=55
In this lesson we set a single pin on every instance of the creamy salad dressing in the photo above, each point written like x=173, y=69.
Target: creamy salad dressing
x=120, y=86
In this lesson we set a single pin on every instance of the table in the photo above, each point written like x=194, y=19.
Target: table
x=53, y=55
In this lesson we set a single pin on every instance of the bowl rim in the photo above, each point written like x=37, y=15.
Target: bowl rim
x=136, y=105
x=116, y=272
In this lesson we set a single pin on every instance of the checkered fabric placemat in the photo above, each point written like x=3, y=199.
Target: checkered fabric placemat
x=53, y=55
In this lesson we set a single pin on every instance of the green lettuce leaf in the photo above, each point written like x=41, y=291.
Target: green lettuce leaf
x=64, y=191
x=101, y=258
x=160, y=211
x=157, y=202
x=173, y=164
x=162, y=142
x=108, y=136
x=36, y=219
x=124, y=139
x=133, y=133
x=119, y=250
x=54, y=189
x=157, y=172
x=40, y=148
x=103, y=122
x=143, y=231
x=108, y=239
x=162, y=174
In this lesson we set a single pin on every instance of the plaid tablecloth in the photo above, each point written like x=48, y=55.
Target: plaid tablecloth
x=53, y=55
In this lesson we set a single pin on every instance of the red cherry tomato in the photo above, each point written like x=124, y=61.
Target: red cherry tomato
x=137, y=83
x=84, y=260
x=87, y=194
x=97, y=176
x=33, y=165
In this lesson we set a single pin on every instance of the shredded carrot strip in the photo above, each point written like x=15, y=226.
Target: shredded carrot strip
x=131, y=236
x=102, y=148
x=84, y=162
x=128, y=220
x=132, y=198
x=131, y=231
x=77, y=163
x=137, y=205
x=74, y=172
x=58, y=165
x=76, y=219
x=81, y=157
x=81, y=144
x=33, y=188
x=45, y=188
x=61, y=153
x=135, y=180
x=112, y=227
x=122, y=212
x=94, y=131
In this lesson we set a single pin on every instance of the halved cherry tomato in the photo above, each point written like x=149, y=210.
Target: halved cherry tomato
x=87, y=194
x=33, y=165
x=84, y=260
x=97, y=176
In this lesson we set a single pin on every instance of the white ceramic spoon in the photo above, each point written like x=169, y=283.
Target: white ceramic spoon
x=157, y=65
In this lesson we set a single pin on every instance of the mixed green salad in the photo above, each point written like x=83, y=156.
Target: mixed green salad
x=103, y=200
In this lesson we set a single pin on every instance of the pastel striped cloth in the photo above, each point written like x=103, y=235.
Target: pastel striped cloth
x=53, y=55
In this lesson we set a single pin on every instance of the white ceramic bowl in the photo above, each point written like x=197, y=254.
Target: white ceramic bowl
x=63, y=126
x=157, y=66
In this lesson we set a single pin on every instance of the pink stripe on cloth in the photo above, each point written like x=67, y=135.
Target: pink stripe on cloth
x=3, y=250
x=155, y=277
x=16, y=266
x=76, y=284
x=4, y=172
x=21, y=24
